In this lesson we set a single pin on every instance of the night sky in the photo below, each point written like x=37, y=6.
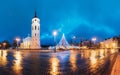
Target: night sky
x=82, y=18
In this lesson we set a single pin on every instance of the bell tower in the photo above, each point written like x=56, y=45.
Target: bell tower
x=35, y=42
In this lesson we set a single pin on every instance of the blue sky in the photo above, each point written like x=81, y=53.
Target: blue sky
x=82, y=18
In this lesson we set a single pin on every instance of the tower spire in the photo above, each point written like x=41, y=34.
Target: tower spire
x=35, y=14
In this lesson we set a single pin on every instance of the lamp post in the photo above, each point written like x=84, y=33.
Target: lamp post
x=73, y=39
x=17, y=40
x=4, y=44
x=55, y=34
x=94, y=39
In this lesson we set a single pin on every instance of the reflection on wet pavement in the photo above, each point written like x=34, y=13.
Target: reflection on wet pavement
x=73, y=59
x=3, y=58
x=74, y=62
x=17, y=67
x=54, y=65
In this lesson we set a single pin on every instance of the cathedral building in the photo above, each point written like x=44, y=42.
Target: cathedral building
x=33, y=42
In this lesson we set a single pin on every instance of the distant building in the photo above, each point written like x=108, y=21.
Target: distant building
x=109, y=43
x=26, y=42
x=33, y=42
x=86, y=43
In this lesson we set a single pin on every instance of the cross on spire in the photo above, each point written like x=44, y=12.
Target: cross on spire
x=35, y=14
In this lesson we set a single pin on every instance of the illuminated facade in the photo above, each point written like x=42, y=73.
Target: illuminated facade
x=33, y=42
x=109, y=43
x=26, y=43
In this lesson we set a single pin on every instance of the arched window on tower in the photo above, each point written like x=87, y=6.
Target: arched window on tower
x=38, y=27
x=35, y=34
x=35, y=27
x=32, y=27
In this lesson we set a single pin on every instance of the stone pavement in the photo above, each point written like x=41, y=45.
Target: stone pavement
x=72, y=62
x=116, y=67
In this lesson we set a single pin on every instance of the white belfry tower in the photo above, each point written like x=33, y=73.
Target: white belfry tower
x=35, y=41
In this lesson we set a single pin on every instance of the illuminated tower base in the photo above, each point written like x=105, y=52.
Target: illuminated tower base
x=35, y=42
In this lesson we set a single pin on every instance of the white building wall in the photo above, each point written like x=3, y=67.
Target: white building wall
x=110, y=43
x=35, y=43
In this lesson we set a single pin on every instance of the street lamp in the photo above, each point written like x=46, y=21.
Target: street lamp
x=17, y=40
x=94, y=39
x=55, y=34
x=73, y=38
x=4, y=44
